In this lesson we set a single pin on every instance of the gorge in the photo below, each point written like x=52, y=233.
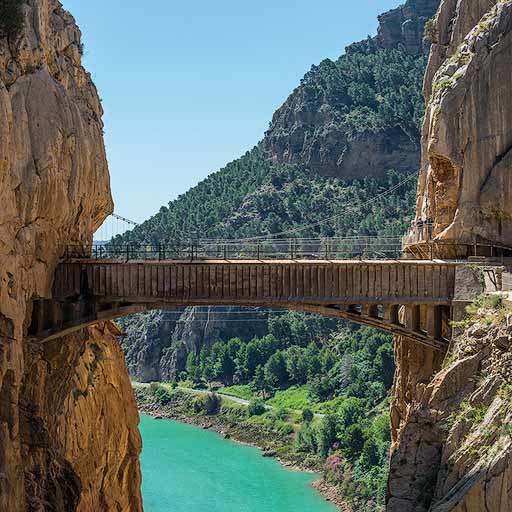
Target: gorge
x=68, y=418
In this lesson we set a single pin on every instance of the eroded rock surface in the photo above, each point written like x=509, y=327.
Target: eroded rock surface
x=68, y=421
x=453, y=452
x=465, y=185
x=451, y=441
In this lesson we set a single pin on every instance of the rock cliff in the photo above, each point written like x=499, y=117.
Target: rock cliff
x=450, y=418
x=68, y=421
x=465, y=186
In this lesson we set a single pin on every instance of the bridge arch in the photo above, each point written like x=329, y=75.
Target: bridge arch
x=411, y=298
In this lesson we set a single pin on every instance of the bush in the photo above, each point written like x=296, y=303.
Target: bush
x=162, y=395
x=307, y=416
x=198, y=405
x=11, y=17
x=154, y=387
x=212, y=403
x=256, y=408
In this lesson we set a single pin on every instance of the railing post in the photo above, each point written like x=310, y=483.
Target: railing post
x=258, y=251
x=225, y=252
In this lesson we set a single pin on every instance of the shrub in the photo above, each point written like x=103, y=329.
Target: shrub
x=198, y=405
x=162, y=395
x=212, y=403
x=154, y=387
x=256, y=408
x=11, y=17
x=307, y=416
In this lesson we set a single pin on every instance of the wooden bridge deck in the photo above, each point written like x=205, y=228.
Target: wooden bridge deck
x=366, y=291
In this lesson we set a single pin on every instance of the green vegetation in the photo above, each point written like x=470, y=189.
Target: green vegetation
x=256, y=408
x=371, y=91
x=11, y=17
x=241, y=391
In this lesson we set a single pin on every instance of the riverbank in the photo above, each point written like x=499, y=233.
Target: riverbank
x=272, y=442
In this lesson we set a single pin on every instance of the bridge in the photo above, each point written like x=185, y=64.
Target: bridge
x=414, y=298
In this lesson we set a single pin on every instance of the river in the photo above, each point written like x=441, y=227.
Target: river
x=187, y=469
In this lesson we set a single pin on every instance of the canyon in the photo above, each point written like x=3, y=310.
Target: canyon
x=68, y=418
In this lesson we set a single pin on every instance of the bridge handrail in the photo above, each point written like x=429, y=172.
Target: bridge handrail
x=296, y=248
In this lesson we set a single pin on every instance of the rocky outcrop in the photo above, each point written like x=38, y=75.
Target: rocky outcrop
x=402, y=27
x=454, y=450
x=465, y=186
x=451, y=447
x=313, y=127
x=68, y=421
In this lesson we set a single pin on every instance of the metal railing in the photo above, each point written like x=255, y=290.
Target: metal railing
x=290, y=248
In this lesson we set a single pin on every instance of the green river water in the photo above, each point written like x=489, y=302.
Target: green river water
x=187, y=469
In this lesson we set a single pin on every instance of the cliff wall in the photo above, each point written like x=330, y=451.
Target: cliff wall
x=68, y=422
x=467, y=141
x=451, y=415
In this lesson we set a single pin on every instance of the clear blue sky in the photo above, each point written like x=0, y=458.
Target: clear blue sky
x=188, y=86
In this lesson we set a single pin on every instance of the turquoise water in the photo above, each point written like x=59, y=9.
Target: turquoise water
x=187, y=469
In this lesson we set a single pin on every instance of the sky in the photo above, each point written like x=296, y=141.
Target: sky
x=188, y=86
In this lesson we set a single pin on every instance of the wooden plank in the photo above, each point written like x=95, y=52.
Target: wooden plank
x=384, y=280
x=357, y=280
x=421, y=281
x=134, y=280
x=232, y=282
x=147, y=280
x=286, y=282
x=371, y=281
x=174, y=280
x=266, y=280
x=193, y=281
x=293, y=281
x=186, y=281
x=414, y=280
x=444, y=282
x=246, y=281
x=259, y=281
x=253, y=280
x=436, y=281
x=307, y=281
x=336, y=271
x=109, y=285
x=300, y=281
x=167, y=281
x=154, y=280
x=347, y=278
x=179, y=281
x=327, y=281
x=239, y=281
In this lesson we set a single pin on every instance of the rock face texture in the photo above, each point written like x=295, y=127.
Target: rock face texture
x=451, y=447
x=465, y=185
x=68, y=421
x=453, y=452
x=311, y=128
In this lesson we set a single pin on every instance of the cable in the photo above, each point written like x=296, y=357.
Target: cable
x=328, y=219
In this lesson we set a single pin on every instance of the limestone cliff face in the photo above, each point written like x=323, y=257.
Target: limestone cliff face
x=465, y=186
x=68, y=422
x=453, y=452
x=451, y=447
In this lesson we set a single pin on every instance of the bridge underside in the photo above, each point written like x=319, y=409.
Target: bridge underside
x=407, y=298
x=426, y=324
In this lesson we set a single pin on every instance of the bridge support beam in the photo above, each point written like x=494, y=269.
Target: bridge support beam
x=413, y=318
x=434, y=322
